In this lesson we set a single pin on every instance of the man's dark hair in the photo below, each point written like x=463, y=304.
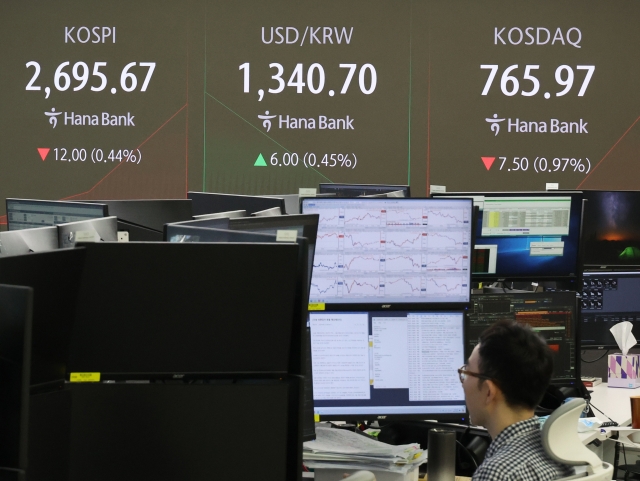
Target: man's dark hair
x=518, y=360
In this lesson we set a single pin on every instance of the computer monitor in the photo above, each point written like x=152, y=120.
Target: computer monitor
x=151, y=214
x=16, y=310
x=526, y=235
x=390, y=364
x=190, y=319
x=611, y=229
x=233, y=214
x=26, y=241
x=214, y=223
x=30, y=213
x=300, y=350
x=208, y=202
x=357, y=190
x=608, y=297
x=391, y=251
x=96, y=230
x=550, y=314
x=305, y=225
x=55, y=278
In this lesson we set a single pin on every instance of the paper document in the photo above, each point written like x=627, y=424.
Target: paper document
x=339, y=441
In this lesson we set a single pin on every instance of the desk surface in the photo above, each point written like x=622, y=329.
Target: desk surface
x=614, y=402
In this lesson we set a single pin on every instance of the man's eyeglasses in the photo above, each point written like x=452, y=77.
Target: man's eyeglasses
x=463, y=373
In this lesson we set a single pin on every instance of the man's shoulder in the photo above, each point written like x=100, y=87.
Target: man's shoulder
x=522, y=457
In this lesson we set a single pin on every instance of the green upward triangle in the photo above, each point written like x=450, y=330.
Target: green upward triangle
x=260, y=162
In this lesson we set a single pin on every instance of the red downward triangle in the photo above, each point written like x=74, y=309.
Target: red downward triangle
x=488, y=161
x=43, y=153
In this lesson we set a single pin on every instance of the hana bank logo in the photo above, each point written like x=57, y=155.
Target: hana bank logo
x=267, y=120
x=52, y=117
x=495, y=123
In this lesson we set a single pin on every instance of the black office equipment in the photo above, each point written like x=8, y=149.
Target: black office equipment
x=388, y=365
x=301, y=361
x=150, y=214
x=94, y=230
x=551, y=314
x=29, y=213
x=166, y=432
x=26, y=241
x=608, y=297
x=611, y=231
x=305, y=225
x=170, y=235
x=526, y=235
x=54, y=278
x=208, y=202
x=160, y=310
x=357, y=190
x=16, y=304
x=232, y=214
x=391, y=251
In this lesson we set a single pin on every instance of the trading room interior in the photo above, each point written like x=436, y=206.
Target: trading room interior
x=242, y=217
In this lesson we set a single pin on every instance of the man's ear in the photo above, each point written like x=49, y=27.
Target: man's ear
x=492, y=392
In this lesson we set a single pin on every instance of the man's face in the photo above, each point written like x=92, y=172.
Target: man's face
x=474, y=393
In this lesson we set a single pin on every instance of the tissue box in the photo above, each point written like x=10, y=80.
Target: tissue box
x=624, y=371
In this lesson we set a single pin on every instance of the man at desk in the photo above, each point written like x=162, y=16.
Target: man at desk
x=504, y=380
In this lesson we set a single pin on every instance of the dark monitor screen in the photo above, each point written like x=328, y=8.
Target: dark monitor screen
x=357, y=190
x=384, y=251
x=30, y=213
x=611, y=228
x=526, y=235
x=16, y=307
x=551, y=314
x=608, y=297
x=208, y=203
x=150, y=213
x=398, y=364
x=26, y=241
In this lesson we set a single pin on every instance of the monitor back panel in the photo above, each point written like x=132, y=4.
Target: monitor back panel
x=208, y=203
x=164, y=309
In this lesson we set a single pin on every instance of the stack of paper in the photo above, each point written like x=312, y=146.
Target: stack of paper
x=340, y=449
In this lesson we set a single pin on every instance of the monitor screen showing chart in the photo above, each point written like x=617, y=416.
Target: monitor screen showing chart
x=393, y=364
x=371, y=251
x=526, y=235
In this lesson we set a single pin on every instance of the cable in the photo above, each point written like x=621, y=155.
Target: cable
x=469, y=453
x=591, y=404
x=594, y=360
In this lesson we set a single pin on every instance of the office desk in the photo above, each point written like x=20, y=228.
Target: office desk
x=614, y=402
